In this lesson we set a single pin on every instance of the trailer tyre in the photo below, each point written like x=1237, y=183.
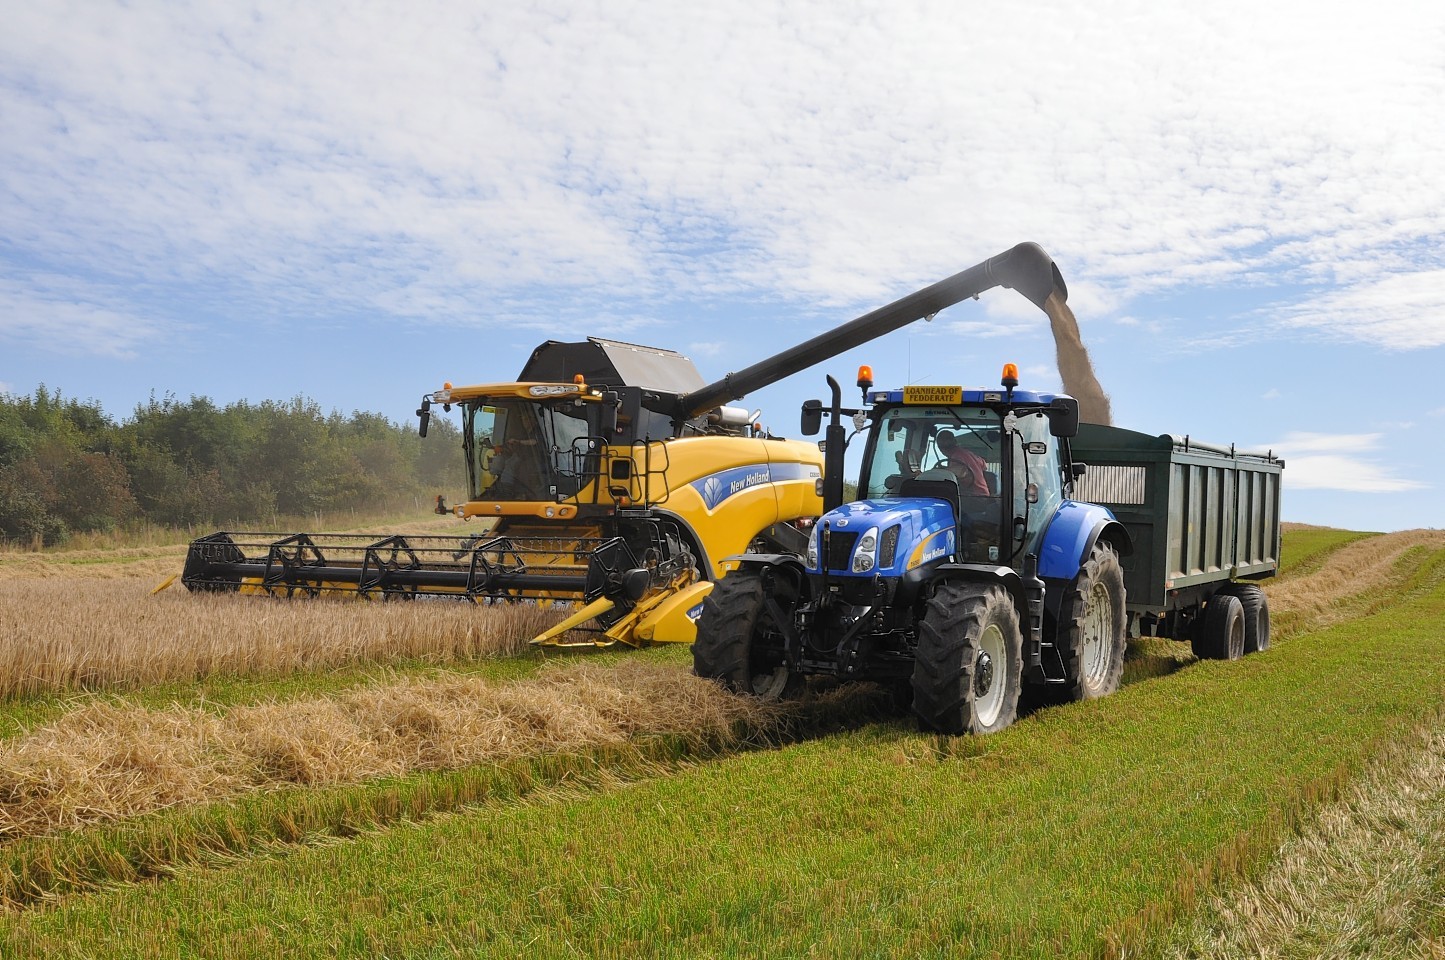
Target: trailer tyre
x=1256, y=615
x=1221, y=635
x=736, y=644
x=1093, y=626
x=969, y=663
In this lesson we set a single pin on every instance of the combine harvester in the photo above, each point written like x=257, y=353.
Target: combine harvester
x=609, y=475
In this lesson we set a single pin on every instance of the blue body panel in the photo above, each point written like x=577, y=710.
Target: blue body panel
x=918, y=519
x=1069, y=533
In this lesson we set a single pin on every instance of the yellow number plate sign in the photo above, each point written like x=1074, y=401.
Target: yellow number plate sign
x=938, y=395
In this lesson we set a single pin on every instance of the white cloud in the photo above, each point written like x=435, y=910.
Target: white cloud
x=1271, y=394
x=1317, y=461
x=69, y=317
x=1401, y=312
x=448, y=163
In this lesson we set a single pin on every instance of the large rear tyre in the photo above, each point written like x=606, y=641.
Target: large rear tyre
x=737, y=642
x=1256, y=615
x=1092, y=627
x=969, y=661
x=1221, y=635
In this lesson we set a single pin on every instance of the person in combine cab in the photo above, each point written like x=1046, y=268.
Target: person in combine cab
x=964, y=464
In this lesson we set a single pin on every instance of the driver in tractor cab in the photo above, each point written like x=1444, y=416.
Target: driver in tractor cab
x=966, y=465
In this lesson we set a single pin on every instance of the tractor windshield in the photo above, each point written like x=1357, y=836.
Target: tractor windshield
x=523, y=450
x=1006, y=469
x=910, y=440
x=946, y=446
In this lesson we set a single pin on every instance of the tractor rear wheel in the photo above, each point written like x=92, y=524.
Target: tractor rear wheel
x=738, y=644
x=969, y=663
x=1092, y=629
x=1221, y=635
x=1256, y=615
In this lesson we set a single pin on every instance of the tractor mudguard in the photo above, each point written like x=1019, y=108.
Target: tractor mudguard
x=1072, y=533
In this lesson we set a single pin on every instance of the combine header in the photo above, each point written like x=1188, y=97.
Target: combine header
x=607, y=474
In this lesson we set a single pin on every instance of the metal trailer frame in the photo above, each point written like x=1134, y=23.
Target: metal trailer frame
x=1199, y=515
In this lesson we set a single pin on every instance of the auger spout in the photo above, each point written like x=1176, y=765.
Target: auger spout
x=1025, y=268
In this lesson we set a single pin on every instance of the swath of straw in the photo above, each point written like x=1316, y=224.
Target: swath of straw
x=111, y=761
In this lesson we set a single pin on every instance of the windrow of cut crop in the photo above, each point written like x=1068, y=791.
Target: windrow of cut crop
x=212, y=789
x=1354, y=580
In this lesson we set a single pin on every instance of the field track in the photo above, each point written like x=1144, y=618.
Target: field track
x=107, y=758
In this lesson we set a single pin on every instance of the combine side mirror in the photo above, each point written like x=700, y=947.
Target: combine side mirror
x=423, y=415
x=607, y=418
x=812, y=417
x=1063, y=414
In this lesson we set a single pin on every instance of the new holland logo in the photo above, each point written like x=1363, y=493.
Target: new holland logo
x=712, y=492
x=720, y=486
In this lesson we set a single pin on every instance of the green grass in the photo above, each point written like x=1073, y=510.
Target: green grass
x=1078, y=828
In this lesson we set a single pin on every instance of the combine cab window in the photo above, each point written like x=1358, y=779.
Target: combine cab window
x=526, y=451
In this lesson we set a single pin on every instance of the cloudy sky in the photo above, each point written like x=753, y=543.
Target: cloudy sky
x=355, y=202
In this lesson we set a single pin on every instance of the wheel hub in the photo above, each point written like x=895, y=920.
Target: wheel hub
x=982, y=675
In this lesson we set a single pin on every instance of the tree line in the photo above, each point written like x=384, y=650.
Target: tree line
x=67, y=467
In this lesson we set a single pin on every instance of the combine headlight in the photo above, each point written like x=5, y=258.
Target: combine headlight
x=865, y=555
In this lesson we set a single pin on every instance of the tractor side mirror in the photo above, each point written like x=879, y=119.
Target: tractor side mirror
x=812, y=417
x=1063, y=414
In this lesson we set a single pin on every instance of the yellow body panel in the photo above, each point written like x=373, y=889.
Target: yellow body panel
x=675, y=619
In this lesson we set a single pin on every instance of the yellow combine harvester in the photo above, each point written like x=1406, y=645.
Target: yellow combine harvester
x=588, y=482
x=608, y=474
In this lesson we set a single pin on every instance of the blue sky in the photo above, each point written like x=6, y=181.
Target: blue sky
x=357, y=202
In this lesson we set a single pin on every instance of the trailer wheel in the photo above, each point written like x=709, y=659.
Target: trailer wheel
x=1221, y=635
x=969, y=662
x=737, y=644
x=1256, y=615
x=1092, y=629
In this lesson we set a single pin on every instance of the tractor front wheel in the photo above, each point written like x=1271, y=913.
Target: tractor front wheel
x=737, y=642
x=969, y=663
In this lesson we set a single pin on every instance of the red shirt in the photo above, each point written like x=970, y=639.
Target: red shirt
x=969, y=467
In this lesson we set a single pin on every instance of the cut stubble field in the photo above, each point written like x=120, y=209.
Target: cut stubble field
x=106, y=747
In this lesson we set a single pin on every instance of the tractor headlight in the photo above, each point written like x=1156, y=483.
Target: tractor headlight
x=865, y=555
x=813, y=546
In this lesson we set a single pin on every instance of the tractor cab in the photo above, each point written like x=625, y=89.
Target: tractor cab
x=997, y=466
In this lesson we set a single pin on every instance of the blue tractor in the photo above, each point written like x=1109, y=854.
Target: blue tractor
x=980, y=555
x=962, y=571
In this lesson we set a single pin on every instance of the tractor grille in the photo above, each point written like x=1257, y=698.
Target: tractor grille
x=840, y=549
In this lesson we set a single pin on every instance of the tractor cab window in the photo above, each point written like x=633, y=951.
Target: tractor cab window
x=963, y=441
x=524, y=450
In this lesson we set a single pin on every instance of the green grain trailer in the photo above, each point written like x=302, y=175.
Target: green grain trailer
x=1203, y=521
